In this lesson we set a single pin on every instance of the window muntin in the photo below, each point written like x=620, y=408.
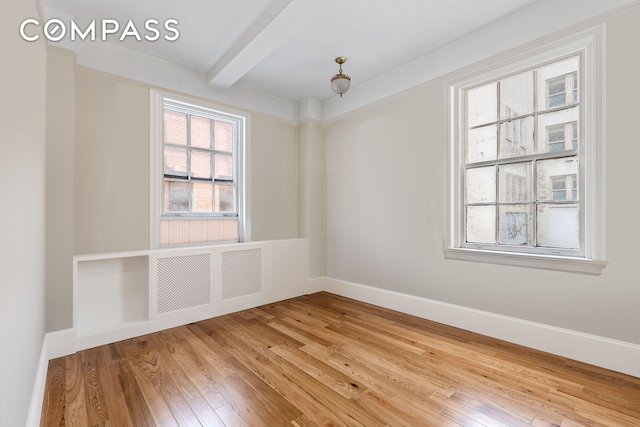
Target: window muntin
x=521, y=135
x=199, y=164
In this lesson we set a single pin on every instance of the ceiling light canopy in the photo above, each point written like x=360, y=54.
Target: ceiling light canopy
x=340, y=82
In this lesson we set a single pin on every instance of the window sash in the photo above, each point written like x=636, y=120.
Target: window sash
x=189, y=178
x=541, y=151
x=589, y=45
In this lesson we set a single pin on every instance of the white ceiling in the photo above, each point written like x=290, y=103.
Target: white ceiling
x=286, y=48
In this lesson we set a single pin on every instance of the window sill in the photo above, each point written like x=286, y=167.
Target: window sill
x=544, y=262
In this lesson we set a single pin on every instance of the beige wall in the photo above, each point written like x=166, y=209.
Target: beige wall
x=311, y=208
x=59, y=186
x=22, y=217
x=112, y=168
x=274, y=179
x=385, y=179
x=111, y=164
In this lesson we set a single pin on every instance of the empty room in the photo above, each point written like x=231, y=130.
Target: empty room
x=319, y=213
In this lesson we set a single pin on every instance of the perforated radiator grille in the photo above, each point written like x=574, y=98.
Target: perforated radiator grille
x=241, y=273
x=183, y=282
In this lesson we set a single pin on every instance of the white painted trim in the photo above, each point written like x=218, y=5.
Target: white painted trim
x=317, y=284
x=544, y=262
x=607, y=353
x=37, y=394
x=54, y=344
x=588, y=45
x=60, y=343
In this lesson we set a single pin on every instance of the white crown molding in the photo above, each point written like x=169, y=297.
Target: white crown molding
x=568, y=16
x=483, y=44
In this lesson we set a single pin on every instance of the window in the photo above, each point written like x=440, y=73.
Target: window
x=562, y=90
x=557, y=137
x=201, y=196
x=524, y=166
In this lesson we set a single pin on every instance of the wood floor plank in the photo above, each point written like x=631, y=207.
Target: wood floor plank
x=134, y=398
x=327, y=360
x=75, y=414
x=53, y=408
x=97, y=410
x=133, y=355
x=111, y=382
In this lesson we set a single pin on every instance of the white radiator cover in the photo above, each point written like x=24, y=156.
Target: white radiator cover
x=126, y=294
x=183, y=282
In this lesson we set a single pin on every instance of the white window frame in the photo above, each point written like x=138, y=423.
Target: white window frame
x=156, y=164
x=588, y=46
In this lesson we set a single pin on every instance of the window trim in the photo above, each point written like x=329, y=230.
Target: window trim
x=156, y=165
x=588, y=45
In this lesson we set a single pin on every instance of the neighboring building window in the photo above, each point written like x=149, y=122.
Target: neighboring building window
x=524, y=164
x=562, y=90
x=202, y=177
x=562, y=137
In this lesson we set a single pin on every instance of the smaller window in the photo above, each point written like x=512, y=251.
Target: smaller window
x=201, y=195
x=564, y=187
x=557, y=137
x=557, y=88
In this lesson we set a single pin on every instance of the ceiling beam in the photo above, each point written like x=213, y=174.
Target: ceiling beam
x=265, y=35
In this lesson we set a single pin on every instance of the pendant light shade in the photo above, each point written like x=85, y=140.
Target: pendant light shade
x=340, y=82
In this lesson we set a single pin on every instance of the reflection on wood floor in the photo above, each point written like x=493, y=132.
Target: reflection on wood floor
x=325, y=360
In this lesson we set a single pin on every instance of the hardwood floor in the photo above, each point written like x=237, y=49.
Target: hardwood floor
x=324, y=360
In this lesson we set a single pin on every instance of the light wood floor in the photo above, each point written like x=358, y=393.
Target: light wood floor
x=324, y=360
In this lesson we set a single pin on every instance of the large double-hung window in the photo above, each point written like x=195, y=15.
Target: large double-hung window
x=525, y=161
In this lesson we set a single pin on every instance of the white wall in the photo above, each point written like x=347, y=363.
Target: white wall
x=384, y=201
x=22, y=217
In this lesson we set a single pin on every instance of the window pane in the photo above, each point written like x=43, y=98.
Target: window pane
x=559, y=226
x=481, y=185
x=555, y=129
x=202, y=197
x=176, y=196
x=200, y=132
x=552, y=171
x=175, y=127
x=516, y=138
x=482, y=105
x=481, y=224
x=516, y=225
x=225, y=198
x=555, y=83
x=516, y=96
x=515, y=182
x=557, y=100
x=482, y=144
x=223, y=136
x=224, y=166
x=175, y=161
x=201, y=164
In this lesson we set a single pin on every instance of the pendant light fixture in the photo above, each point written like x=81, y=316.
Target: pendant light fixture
x=340, y=82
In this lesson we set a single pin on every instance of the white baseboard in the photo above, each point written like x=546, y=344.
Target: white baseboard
x=54, y=344
x=607, y=353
